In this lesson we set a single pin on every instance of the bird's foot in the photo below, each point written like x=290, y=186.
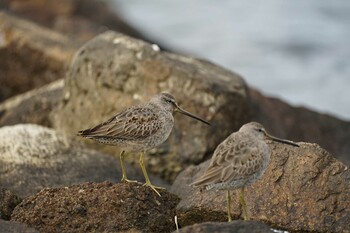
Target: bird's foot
x=124, y=179
x=246, y=217
x=153, y=187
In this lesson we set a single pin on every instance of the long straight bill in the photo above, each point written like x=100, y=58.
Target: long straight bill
x=281, y=140
x=191, y=115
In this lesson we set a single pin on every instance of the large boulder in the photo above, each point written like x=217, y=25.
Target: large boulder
x=32, y=107
x=31, y=56
x=302, y=124
x=303, y=189
x=99, y=207
x=113, y=71
x=34, y=157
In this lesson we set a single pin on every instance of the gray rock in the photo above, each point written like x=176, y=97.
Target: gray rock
x=15, y=227
x=113, y=71
x=227, y=227
x=33, y=106
x=31, y=56
x=78, y=19
x=8, y=201
x=33, y=157
x=303, y=189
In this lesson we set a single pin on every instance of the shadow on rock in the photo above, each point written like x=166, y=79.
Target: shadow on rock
x=32, y=107
x=15, y=227
x=227, y=227
x=8, y=201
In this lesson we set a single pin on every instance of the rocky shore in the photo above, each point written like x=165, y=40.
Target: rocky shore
x=62, y=71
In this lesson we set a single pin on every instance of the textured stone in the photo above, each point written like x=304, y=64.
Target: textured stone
x=34, y=157
x=80, y=19
x=99, y=207
x=227, y=227
x=31, y=56
x=303, y=189
x=8, y=202
x=33, y=106
x=302, y=124
x=15, y=227
x=113, y=71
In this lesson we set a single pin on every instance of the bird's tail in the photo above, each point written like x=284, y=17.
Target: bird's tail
x=207, y=179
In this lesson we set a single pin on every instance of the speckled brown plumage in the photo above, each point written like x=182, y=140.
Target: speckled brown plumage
x=238, y=161
x=134, y=129
x=139, y=128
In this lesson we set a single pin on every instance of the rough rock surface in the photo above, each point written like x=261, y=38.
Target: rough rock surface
x=33, y=106
x=31, y=56
x=227, y=227
x=301, y=124
x=81, y=19
x=303, y=189
x=99, y=207
x=15, y=227
x=34, y=157
x=8, y=202
x=113, y=71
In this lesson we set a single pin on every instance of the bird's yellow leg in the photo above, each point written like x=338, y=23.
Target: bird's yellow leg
x=148, y=182
x=124, y=177
x=245, y=214
x=228, y=197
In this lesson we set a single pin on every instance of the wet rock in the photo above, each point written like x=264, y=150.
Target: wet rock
x=81, y=19
x=33, y=106
x=8, y=202
x=34, y=157
x=15, y=227
x=302, y=124
x=303, y=189
x=113, y=71
x=227, y=227
x=99, y=207
x=31, y=56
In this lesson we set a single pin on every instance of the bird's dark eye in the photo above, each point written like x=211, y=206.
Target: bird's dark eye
x=260, y=130
x=169, y=101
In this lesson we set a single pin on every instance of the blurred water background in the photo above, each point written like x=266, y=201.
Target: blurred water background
x=298, y=51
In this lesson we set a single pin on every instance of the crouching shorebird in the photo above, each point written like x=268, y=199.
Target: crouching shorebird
x=138, y=129
x=239, y=161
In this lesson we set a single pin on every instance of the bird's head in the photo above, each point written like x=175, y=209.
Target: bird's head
x=259, y=131
x=168, y=103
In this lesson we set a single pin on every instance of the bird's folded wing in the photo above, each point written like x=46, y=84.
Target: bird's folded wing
x=132, y=123
x=232, y=160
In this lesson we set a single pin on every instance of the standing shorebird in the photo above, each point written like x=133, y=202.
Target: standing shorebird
x=239, y=161
x=139, y=128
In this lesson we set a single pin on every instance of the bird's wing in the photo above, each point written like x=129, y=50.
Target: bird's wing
x=234, y=159
x=132, y=123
